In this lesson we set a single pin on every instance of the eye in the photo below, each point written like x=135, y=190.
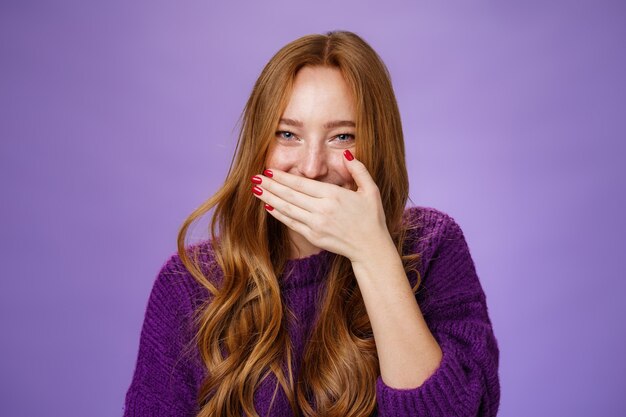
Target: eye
x=284, y=134
x=345, y=137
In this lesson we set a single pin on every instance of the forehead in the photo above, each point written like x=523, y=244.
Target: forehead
x=319, y=93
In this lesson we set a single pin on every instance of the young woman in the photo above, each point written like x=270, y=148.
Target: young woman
x=319, y=293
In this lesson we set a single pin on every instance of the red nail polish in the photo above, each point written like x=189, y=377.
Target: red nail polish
x=268, y=173
x=257, y=190
x=268, y=207
x=348, y=155
x=256, y=180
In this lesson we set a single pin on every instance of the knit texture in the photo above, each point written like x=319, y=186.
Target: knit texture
x=169, y=371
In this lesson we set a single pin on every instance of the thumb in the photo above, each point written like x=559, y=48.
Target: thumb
x=360, y=174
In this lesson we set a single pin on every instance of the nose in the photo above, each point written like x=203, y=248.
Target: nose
x=313, y=162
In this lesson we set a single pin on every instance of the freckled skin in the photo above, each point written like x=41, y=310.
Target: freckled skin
x=320, y=95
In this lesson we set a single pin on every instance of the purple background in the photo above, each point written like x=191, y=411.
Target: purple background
x=118, y=118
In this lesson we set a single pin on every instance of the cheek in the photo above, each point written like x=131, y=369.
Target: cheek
x=280, y=158
x=340, y=170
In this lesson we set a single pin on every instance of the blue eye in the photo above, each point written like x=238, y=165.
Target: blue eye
x=285, y=134
x=344, y=137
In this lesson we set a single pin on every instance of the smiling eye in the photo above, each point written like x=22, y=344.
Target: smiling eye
x=283, y=134
x=345, y=137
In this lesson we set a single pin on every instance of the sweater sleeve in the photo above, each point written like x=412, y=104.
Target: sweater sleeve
x=164, y=383
x=453, y=303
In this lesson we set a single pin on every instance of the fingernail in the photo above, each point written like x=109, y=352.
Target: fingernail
x=268, y=173
x=348, y=155
x=268, y=207
x=257, y=190
x=256, y=179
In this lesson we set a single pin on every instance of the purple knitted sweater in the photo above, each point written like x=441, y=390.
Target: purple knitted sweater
x=165, y=381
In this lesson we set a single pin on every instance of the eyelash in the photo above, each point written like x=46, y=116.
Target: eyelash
x=280, y=132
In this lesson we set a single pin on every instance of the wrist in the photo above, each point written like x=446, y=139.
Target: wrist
x=382, y=256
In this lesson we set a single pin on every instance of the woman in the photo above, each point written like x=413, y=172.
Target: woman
x=318, y=293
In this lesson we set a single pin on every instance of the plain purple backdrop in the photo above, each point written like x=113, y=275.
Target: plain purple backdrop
x=118, y=118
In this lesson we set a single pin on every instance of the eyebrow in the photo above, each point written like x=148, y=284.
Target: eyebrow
x=328, y=125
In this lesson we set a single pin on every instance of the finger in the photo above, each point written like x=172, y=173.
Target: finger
x=290, y=222
x=304, y=185
x=288, y=194
x=359, y=172
x=287, y=209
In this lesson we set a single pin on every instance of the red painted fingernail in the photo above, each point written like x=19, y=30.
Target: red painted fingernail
x=257, y=190
x=256, y=180
x=348, y=155
x=268, y=173
x=268, y=207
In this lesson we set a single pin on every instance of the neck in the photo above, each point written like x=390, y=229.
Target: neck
x=300, y=247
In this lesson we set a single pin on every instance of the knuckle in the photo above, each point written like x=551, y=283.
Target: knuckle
x=298, y=183
x=325, y=208
x=287, y=210
x=322, y=224
x=316, y=224
x=287, y=193
x=314, y=235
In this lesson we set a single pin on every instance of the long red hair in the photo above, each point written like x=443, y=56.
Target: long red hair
x=241, y=332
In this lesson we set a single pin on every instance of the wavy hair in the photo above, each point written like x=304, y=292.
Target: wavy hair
x=241, y=328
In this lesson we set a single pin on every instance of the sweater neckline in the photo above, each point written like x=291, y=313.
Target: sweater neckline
x=312, y=269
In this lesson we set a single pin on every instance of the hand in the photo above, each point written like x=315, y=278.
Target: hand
x=346, y=222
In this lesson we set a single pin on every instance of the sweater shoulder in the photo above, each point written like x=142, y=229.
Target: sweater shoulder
x=428, y=227
x=175, y=280
x=428, y=232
